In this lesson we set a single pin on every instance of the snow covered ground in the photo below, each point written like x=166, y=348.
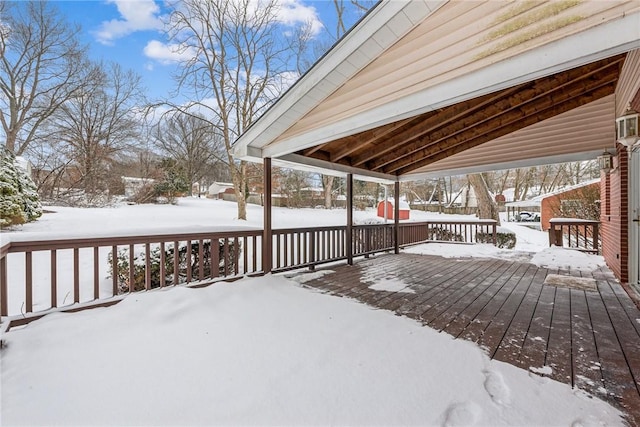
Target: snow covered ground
x=199, y=215
x=266, y=351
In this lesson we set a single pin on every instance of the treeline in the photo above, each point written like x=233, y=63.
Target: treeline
x=83, y=123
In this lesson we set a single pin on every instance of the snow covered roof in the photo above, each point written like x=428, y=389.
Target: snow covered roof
x=403, y=204
x=537, y=201
x=133, y=179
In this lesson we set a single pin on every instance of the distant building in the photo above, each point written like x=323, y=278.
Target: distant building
x=217, y=189
x=132, y=185
x=404, y=212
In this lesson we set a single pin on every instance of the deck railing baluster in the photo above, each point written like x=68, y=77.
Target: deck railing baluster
x=200, y=259
x=54, y=278
x=245, y=255
x=132, y=269
x=176, y=262
x=4, y=306
x=147, y=266
x=28, y=282
x=163, y=265
x=215, y=257
x=96, y=272
x=226, y=256
x=189, y=261
x=76, y=275
x=114, y=270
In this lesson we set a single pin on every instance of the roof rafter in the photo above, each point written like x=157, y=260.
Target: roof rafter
x=534, y=115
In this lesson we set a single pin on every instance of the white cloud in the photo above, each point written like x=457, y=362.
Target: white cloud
x=137, y=15
x=168, y=53
x=294, y=12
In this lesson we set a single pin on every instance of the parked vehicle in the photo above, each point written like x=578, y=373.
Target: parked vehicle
x=528, y=217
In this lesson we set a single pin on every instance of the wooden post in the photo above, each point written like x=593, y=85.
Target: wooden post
x=349, y=241
x=267, y=239
x=396, y=216
x=4, y=306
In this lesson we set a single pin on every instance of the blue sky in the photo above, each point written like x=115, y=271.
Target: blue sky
x=129, y=32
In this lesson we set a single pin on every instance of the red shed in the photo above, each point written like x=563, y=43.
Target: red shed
x=404, y=209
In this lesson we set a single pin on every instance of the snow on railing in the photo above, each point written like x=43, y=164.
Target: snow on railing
x=575, y=233
x=36, y=276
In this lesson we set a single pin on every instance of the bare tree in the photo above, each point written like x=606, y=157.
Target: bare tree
x=99, y=122
x=341, y=28
x=291, y=184
x=192, y=142
x=236, y=68
x=487, y=207
x=40, y=60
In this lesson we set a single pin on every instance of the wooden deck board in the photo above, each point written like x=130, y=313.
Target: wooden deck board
x=534, y=347
x=624, y=330
x=586, y=362
x=498, y=325
x=432, y=286
x=431, y=307
x=590, y=339
x=458, y=308
x=616, y=375
x=559, y=343
x=475, y=330
x=458, y=291
x=509, y=348
x=471, y=311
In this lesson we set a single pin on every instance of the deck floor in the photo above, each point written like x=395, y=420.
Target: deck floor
x=590, y=338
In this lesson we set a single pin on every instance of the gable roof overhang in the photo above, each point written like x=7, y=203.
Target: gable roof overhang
x=434, y=88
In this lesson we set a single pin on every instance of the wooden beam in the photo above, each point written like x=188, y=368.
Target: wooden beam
x=536, y=90
x=267, y=236
x=314, y=149
x=352, y=144
x=396, y=216
x=431, y=121
x=431, y=154
x=349, y=237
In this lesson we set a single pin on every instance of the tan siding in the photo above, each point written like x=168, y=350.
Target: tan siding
x=587, y=128
x=629, y=82
x=431, y=54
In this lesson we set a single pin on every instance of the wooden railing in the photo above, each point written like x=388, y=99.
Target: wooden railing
x=59, y=268
x=40, y=275
x=580, y=234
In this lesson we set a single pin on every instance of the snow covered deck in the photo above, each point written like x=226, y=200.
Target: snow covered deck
x=589, y=339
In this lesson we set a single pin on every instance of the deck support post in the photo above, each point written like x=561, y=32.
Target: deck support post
x=267, y=239
x=349, y=240
x=396, y=217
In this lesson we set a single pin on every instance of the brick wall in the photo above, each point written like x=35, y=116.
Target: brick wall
x=614, y=210
x=550, y=206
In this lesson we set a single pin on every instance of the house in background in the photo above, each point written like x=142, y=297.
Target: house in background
x=132, y=185
x=577, y=201
x=217, y=189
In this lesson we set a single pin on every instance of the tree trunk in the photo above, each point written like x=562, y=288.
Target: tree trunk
x=238, y=174
x=487, y=207
x=11, y=142
x=327, y=184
